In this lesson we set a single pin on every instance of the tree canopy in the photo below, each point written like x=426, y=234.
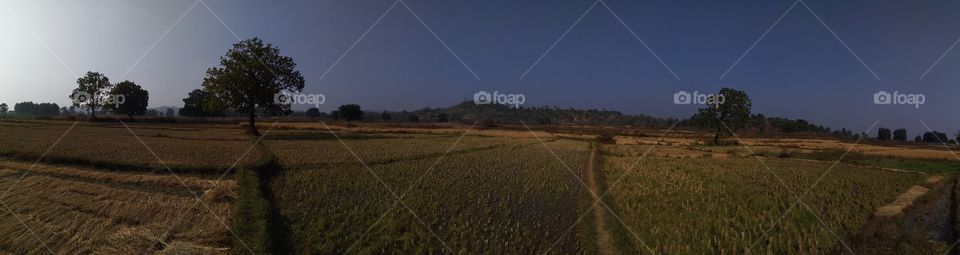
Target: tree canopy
x=131, y=99
x=731, y=113
x=350, y=112
x=249, y=77
x=91, y=92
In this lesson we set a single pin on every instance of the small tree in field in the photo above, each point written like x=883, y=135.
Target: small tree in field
x=732, y=112
x=883, y=134
x=91, y=92
x=249, y=77
x=4, y=108
x=900, y=135
x=134, y=99
x=350, y=112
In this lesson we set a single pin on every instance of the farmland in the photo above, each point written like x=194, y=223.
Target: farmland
x=316, y=189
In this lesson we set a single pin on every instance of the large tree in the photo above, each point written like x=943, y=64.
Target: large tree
x=249, y=77
x=91, y=92
x=130, y=99
x=4, y=108
x=730, y=111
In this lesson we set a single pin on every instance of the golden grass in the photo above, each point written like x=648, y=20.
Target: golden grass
x=72, y=214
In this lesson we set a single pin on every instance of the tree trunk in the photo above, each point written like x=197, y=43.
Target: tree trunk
x=252, y=127
x=93, y=112
x=716, y=138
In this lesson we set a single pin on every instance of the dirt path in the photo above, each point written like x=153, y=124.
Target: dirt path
x=604, y=243
x=925, y=227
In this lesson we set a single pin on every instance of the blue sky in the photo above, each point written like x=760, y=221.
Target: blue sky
x=800, y=69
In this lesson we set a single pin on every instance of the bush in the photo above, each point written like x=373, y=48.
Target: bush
x=606, y=138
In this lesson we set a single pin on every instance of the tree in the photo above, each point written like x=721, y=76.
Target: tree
x=442, y=118
x=200, y=103
x=250, y=75
x=4, y=108
x=313, y=112
x=917, y=139
x=900, y=135
x=47, y=109
x=350, y=112
x=130, y=99
x=170, y=113
x=731, y=113
x=22, y=108
x=91, y=92
x=883, y=134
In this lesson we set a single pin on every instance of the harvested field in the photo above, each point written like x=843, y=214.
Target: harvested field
x=76, y=211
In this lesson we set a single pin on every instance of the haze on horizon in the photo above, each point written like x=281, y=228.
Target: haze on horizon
x=822, y=64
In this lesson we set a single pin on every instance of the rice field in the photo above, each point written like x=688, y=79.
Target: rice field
x=494, y=192
x=726, y=205
x=517, y=198
x=79, y=211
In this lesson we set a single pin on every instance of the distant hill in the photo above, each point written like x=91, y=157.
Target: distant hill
x=495, y=113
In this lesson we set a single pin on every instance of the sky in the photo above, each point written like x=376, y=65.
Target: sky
x=817, y=60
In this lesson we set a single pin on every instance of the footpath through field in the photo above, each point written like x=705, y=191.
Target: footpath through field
x=604, y=245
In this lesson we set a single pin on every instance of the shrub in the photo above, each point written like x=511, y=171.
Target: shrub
x=606, y=138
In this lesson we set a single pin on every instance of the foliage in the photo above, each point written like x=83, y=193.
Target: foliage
x=313, y=112
x=200, y=103
x=883, y=134
x=385, y=116
x=41, y=109
x=606, y=138
x=935, y=137
x=91, y=92
x=249, y=77
x=731, y=113
x=350, y=112
x=900, y=135
x=4, y=108
x=135, y=99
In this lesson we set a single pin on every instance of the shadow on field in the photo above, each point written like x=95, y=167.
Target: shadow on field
x=257, y=221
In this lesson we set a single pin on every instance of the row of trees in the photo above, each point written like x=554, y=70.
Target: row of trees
x=95, y=92
x=884, y=134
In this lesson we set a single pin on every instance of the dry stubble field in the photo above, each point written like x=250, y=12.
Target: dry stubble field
x=102, y=191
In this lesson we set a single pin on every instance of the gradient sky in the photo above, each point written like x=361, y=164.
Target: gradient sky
x=798, y=70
